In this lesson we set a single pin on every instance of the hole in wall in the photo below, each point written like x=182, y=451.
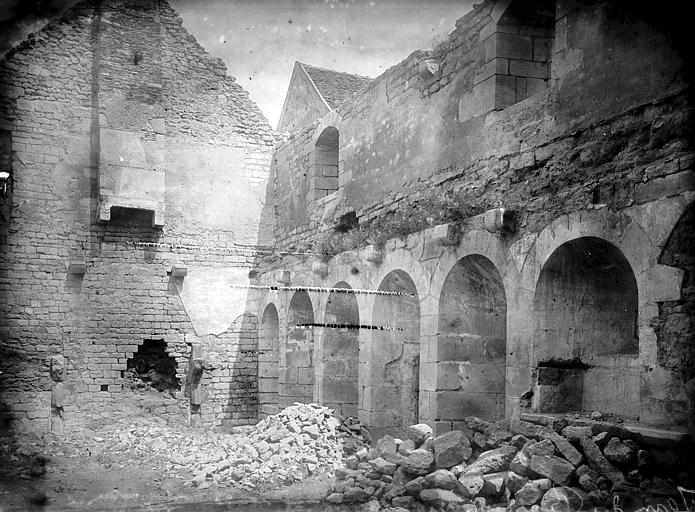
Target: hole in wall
x=152, y=367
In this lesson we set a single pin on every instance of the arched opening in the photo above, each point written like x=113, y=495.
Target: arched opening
x=340, y=356
x=395, y=357
x=324, y=178
x=268, y=348
x=471, y=345
x=520, y=51
x=296, y=379
x=585, y=331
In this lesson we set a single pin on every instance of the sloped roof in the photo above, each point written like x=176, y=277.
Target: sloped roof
x=334, y=86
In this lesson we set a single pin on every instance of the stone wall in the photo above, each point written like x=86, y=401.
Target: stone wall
x=603, y=150
x=101, y=104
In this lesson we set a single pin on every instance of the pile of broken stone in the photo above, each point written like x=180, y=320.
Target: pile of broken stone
x=519, y=466
x=302, y=440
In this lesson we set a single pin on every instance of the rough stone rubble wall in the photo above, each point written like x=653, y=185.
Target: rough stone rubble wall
x=70, y=87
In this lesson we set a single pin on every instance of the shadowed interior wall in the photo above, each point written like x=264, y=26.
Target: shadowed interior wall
x=395, y=359
x=268, y=346
x=471, y=342
x=340, y=356
x=296, y=378
x=585, y=309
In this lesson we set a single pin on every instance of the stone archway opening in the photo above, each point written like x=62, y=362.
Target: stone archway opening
x=340, y=354
x=268, y=348
x=296, y=377
x=395, y=357
x=471, y=343
x=585, y=331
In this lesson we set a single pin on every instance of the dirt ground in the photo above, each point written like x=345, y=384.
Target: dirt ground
x=92, y=482
x=131, y=459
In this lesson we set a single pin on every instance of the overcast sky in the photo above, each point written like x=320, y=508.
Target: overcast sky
x=261, y=39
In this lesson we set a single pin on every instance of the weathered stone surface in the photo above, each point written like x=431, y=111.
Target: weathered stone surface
x=564, y=499
x=598, y=462
x=393, y=491
x=479, y=440
x=440, y=498
x=514, y=481
x=475, y=423
x=471, y=485
x=356, y=494
x=618, y=452
x=396, y=458
x=442, y=479
x=406, y=447
x=493, y=484
x=568, y=451
x=497, y=436
x=404, y=502
x=335, y=498
x=419, y=462
x=556, y=469
x=451, y=448
x=418, y=433
x=383, y=467
x=386, y=446
x=544, y=447
x=415, y=486
x=574, y=433
x=527, y=429
x=530, y=494
x=492, y=461
x=587, y=483
x=518, y=441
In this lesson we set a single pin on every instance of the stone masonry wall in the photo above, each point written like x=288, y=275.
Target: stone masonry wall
x=65, y=96
x=423, y=146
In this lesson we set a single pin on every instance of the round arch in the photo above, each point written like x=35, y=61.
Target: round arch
x=585, y=330
x=296, y=378
x=340, y=351
x=471, y=342
x=395, y=356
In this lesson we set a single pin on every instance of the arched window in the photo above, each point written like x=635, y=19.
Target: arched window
x=324, y=176
x=520, y=51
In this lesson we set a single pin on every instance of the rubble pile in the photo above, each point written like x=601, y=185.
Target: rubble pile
x=302, y=440
x=517, y=466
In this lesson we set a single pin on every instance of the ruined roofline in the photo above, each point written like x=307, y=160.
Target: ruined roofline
x=304, y=64
x=356, y=83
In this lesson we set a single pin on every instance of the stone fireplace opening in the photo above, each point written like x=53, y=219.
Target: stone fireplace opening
x=585, y=331
x=151, y=366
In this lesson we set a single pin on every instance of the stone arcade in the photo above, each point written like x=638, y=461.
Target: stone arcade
x=499, y=227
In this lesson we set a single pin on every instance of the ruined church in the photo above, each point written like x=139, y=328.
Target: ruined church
x=501, y=226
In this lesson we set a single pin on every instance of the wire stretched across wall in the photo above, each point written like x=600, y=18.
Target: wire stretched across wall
x=321, y=289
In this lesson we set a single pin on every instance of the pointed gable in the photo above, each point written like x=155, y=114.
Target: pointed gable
x=314, y=92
